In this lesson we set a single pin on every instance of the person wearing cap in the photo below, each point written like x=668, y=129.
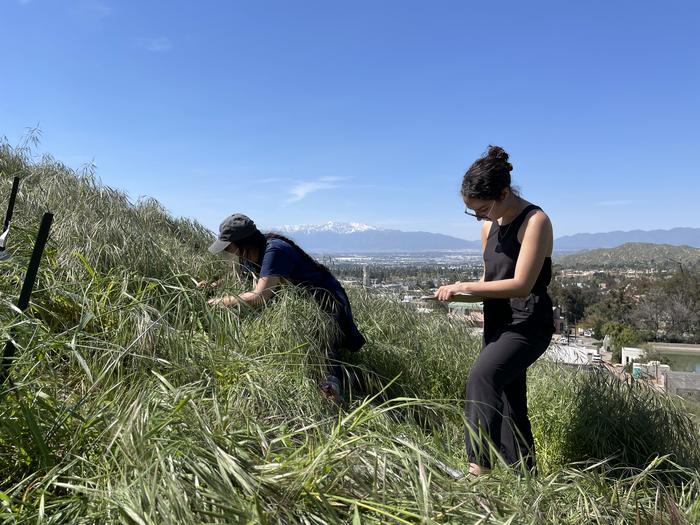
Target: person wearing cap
x=274, y=257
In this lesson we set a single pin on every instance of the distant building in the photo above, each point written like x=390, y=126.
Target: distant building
x=630, y=354
x=365, y=276
x=471, y=312
x=684, y=384
x=653, y=371
x=568, y=354
x=558, y=320
x=607, y=342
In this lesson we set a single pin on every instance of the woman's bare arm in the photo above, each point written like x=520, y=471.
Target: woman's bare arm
x=263, y=291
x=535, y=246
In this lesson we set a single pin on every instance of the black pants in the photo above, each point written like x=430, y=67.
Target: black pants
x=348, y=338
x=496, y=397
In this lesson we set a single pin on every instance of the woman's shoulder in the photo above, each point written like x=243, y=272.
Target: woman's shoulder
x=275, y=241
x=535, y=218
x=534, y=210
x=278, y=244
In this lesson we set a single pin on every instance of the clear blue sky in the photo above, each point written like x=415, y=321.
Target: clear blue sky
x=369, y=111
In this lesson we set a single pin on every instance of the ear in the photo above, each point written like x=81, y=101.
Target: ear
x=504, y=193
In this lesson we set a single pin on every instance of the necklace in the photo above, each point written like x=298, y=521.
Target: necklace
x=502, y=236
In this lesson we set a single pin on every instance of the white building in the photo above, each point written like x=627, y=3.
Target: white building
x=568, y=354
x=470, y=312
x=654, y=371
x=631, y=354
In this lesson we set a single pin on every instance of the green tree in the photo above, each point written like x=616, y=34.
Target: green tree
x=621, y=334
x=573, y=299
x=615, y=306
x=670, y=308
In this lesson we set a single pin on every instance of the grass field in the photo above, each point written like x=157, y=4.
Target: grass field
x=132, y=401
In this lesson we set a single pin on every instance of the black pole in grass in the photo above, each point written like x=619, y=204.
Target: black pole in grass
x=10, y=210
x=27, y=287
x=11, y=204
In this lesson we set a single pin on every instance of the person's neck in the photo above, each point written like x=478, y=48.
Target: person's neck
x=513, y=208
x=251, y=256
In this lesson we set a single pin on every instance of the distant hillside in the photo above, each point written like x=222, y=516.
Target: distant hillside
x=633, y=255
x=588, y=241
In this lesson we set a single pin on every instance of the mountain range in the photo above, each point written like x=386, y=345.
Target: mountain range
x=339, y=237
x=633, y=255
x=589, y=241
x=334, y=237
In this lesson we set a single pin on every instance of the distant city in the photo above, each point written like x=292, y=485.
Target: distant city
x=631, y=307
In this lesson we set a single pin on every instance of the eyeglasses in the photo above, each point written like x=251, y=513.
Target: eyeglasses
x=480, y=217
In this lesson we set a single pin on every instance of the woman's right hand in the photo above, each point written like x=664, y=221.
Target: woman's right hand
x=445, y=293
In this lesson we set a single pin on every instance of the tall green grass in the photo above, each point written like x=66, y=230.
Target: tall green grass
x=133, y=401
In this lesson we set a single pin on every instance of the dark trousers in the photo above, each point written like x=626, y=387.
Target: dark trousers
x=348, y=337
x=496, y=397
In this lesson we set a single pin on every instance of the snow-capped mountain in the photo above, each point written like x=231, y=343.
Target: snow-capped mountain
x=329, y=227
x=355, y=237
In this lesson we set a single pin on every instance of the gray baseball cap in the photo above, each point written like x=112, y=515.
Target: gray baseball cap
x=234, y=228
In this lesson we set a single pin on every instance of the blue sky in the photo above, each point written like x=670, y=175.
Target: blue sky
x=369, y=111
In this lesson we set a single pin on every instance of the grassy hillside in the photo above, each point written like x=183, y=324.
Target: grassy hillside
x=134, y=402
x=634, y=255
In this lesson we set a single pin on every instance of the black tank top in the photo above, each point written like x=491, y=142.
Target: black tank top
x=500, y=258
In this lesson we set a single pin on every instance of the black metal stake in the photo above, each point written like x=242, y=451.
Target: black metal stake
x=10, y=207
x=27, y=287
x=11, y=204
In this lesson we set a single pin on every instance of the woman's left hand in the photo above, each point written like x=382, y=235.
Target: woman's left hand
x=446, y=292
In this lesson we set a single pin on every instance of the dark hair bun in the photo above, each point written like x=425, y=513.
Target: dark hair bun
x=499, y=155
x=488, y=176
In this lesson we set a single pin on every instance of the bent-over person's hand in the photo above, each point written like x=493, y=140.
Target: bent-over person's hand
x=204, y=284
x=225, y=300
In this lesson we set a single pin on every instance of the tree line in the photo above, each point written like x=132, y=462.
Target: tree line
x=664, y=308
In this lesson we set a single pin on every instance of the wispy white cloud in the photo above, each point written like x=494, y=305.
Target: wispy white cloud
x=95, y=9
x=89, y=13
x=155, y=44
x=305, y=188
x=615, y=203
